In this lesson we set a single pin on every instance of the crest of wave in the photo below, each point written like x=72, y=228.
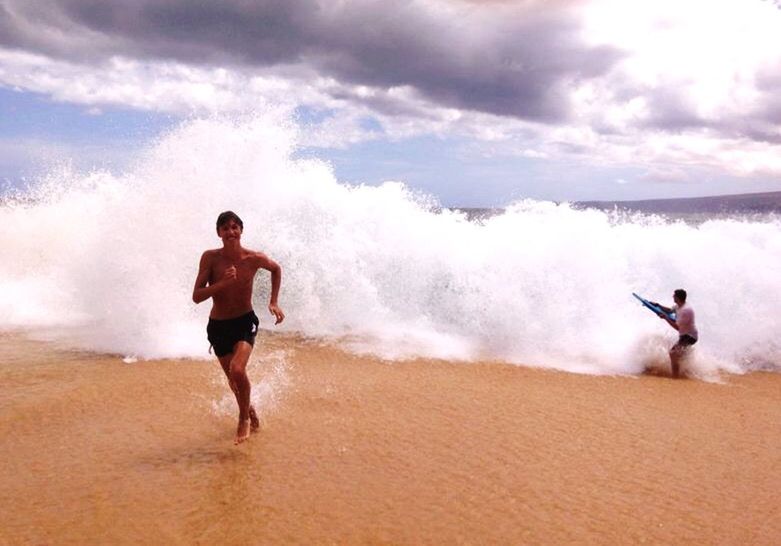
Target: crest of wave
x=109, y=260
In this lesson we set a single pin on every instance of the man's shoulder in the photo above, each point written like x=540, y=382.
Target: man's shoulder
x=256, y=258
x=210, y=254
x=250, y=253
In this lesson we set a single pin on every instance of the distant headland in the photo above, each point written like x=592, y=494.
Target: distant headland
x=740, y=203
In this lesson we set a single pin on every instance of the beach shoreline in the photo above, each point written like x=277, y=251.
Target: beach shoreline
x=353, y=449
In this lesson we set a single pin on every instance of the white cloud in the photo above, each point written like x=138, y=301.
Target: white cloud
x=684, y=96
x=161, y=87
x=666, y=175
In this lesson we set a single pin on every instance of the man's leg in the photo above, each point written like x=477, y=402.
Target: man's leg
x=676, y=353
x=225, y=363
x=238, y=375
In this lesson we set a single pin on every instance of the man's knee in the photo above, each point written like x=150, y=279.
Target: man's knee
x=238, y=369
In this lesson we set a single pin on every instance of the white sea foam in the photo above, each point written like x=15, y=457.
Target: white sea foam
x=111, y=259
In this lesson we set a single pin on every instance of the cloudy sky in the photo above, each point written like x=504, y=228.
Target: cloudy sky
x=476, y=102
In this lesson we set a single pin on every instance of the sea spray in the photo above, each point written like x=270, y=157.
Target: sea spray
x=267, y=392
x=109, y=261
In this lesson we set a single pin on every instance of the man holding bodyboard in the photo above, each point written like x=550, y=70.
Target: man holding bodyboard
x=680, y=317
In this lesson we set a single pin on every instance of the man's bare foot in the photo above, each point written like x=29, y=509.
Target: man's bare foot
x=254, y=422
x=242, y=432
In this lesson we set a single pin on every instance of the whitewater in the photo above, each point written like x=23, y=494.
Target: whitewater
x=106, y=262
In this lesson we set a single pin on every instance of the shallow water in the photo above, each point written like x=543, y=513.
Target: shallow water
x=353, y=449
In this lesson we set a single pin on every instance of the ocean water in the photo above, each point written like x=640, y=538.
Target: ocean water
x=107, y=263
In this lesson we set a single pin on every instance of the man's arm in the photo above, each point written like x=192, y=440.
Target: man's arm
x=668, y=321
x=201, y=291
x=664, y=316
x=270, y=265
x=662, y=307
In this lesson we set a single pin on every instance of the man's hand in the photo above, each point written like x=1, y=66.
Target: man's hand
x=274, y=309
x=229, y=276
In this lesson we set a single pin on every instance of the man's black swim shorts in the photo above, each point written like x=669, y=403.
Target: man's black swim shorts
x=686, y=340
x=224, y=334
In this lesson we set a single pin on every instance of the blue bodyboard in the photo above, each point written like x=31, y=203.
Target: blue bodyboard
x=656, y=309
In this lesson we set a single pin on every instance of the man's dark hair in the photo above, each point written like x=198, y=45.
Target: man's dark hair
x=680, y=294
x=226, y=217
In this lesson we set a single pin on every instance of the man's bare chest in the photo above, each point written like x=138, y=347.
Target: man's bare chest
x=245, y=272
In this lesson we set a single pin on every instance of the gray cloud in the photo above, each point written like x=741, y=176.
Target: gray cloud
x=670, y=111
x=510, y=59
x=769, y=82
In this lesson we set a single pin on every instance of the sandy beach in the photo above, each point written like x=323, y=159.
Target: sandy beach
x=353, y=449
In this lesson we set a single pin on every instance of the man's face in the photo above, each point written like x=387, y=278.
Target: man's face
x=229, y=231
x=676, y=299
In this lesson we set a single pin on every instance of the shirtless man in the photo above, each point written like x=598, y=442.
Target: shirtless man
x=684, y=323
x=226, y=275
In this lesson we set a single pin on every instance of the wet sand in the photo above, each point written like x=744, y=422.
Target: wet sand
x=356, y=450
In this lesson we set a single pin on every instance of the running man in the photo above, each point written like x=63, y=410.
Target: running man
x=226, y=275
x=684, y=323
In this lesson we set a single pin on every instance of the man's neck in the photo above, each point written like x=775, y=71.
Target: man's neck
x=231, y=249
